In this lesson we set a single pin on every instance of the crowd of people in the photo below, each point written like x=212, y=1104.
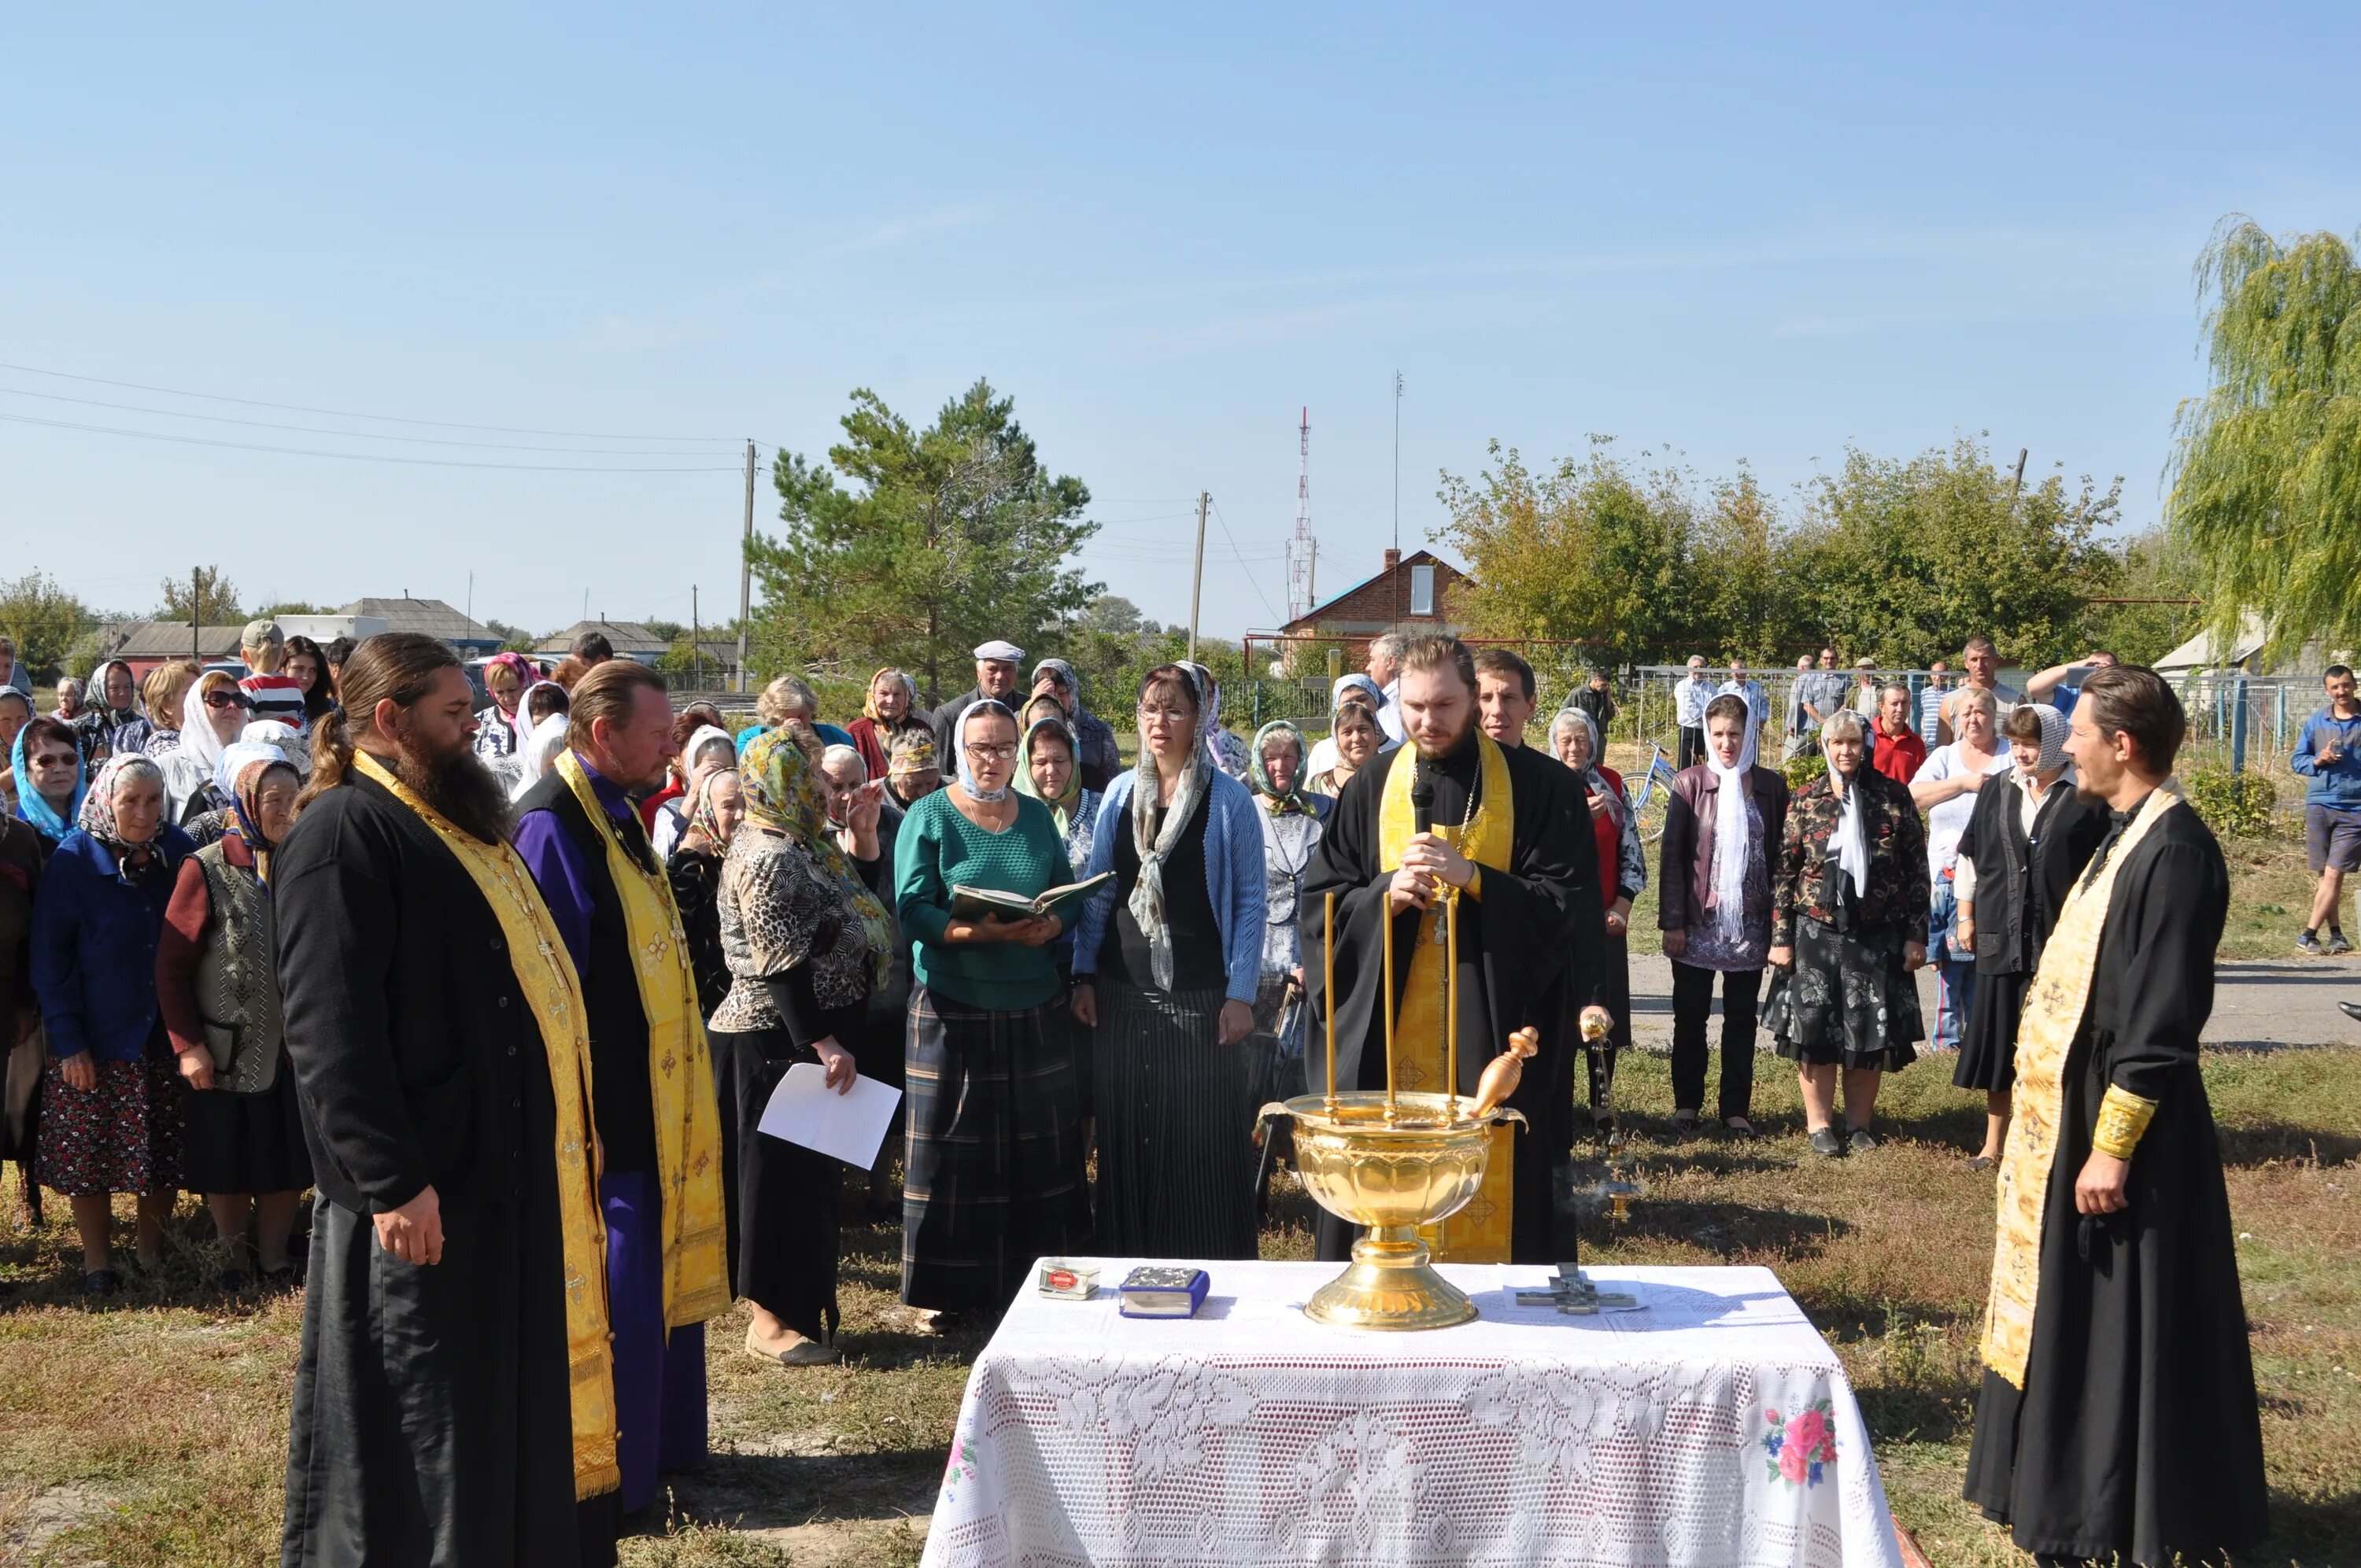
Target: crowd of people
x=508, y=984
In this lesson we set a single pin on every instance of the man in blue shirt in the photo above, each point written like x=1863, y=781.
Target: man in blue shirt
x=2328, y=756
x=2060, y=685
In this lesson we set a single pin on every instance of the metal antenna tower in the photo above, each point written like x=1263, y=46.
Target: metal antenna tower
x=1302, y=554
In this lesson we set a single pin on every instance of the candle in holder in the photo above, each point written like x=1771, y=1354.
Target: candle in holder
x=1451, y=1004
x=1386, y=931
x=1328, y=964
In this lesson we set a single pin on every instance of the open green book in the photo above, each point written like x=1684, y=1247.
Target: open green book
x=1065, y=903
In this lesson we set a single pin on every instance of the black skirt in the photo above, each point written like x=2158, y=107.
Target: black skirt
x=1988, y=1049
x=1848, y=1000
x=1176, y=1113
x=779, y=1200
x=244, y=1143
x=996, y=1177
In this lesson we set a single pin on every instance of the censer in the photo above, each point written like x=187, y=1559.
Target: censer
x=1392, y=1162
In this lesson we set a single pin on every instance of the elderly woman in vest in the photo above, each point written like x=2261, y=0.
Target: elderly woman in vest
x=111, y=1101
x=216, y=985
x=1576, y=740
x=1848, y=926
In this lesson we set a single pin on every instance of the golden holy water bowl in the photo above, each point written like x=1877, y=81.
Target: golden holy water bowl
x=1391, y=1178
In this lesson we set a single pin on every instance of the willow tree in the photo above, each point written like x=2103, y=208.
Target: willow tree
x=2266, y=471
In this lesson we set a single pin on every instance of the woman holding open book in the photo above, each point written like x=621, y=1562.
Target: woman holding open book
x=994, y=1174
x=1166, y=966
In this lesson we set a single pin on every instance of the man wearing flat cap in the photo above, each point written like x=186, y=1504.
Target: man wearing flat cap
x=996, y=663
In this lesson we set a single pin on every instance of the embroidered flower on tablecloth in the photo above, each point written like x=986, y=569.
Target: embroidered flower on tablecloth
x=1165, y=1413
x=1560, y=1414
x=1364, y=1460
x=1801, y=1446
x=960, y=1468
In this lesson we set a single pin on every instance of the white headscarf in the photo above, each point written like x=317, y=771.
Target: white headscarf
x=548, y=739
x=197, y=736
x=1851, y=841
x=281, y=736
x=958, y=750
x=703, y=736
x=1731, y=835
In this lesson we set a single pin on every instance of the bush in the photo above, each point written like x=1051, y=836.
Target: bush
x=2236, y=806
x=1803, y=769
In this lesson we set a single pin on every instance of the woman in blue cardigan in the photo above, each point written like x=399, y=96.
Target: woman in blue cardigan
x=111, y=1094
x=1166, y=966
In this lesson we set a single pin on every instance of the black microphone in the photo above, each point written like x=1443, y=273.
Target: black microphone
x=1422, y=796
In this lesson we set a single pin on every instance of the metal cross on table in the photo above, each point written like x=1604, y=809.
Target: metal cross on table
x=1573, y=1294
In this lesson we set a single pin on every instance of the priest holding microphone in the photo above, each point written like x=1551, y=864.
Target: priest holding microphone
x=1453, y=814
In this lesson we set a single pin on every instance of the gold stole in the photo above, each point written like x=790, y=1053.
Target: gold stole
x=544, y=972
x=2054, y=1005
x=680, y=1077
x=1478, y=1233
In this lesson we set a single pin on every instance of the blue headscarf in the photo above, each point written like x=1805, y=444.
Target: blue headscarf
x=32, y=808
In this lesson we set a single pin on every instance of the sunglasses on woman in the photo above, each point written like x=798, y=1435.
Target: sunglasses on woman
x=228, y=699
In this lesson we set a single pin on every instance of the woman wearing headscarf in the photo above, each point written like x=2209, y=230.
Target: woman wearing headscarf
x=716, y=806
x=501, y=727
x=1355, y=738
x=544, y=706
x=1847, y=927
x=1357, y=688
x=113, y=719
x=888, y=713
x=50, y=781
x=217, y=986
x=2027, y=840
x=1291, y=818
x=1167, y=967
x=1575, y=737
x=111, y=1099
x=1097, y=758
x=1050, y=771
x=914, y=771
x=805, y=941
x=993, y=1175
x=213, y=717
x=1226, y=750
x=1722, y=826
x=23, y=853
x=706, y=751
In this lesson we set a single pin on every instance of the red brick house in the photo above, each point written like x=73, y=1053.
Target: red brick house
x=1419, y=591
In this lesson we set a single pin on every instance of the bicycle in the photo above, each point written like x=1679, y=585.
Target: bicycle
x=1649, y=806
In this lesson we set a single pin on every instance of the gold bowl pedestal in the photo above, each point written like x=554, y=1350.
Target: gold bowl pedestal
x=1391, y=1178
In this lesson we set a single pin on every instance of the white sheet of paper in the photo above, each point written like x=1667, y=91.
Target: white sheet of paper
x=851, y=1126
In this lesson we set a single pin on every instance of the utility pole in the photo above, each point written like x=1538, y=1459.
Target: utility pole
x=1398, y=397
x=196, y=614
x=696, y=647
x=1197, y=582
x=745, y=572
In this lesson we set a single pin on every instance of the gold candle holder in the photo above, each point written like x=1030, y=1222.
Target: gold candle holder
x=1386, y=940
x=1328, y=968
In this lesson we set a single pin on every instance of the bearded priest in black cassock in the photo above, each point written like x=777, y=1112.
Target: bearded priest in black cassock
x=1452, y=807
x=2118, y=1417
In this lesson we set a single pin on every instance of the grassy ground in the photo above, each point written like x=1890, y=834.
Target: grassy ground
x=152, y=1432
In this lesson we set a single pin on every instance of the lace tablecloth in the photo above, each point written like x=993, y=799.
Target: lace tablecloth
x=1714, y=1430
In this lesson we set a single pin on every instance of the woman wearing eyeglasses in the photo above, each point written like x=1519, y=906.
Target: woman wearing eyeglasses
x=994, y=1172
x=213, y=717
x=1167, y=967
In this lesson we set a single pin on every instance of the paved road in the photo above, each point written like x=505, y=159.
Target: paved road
x=2288, y=1001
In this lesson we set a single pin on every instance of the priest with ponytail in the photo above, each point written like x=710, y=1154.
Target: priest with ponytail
x=454, y=1398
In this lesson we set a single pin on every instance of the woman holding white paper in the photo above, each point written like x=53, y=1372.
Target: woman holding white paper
x=807, y=941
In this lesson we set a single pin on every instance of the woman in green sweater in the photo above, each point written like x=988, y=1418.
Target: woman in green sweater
x=994, y=1173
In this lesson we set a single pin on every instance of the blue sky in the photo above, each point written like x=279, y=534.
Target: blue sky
x=1748, y=234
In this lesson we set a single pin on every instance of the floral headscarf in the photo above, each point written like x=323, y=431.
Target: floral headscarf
x=1072, y=703
x=699, y=803
x=2054, y=726
x=46, y=818
x=913, y=752
x=958, y=748
x=97, y=818
x=1061, y=808
x=282, y=738
x=869, y=697
x=782, y=794
x=247, y=768
x=1258, y=775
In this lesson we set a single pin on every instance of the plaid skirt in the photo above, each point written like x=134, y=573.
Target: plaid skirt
x=994, y=1177
x=123, y=1135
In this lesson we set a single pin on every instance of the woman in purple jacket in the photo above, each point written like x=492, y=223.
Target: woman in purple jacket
x=1714, y=903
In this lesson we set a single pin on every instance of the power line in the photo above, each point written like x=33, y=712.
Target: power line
x=322, y=430
x=359, y=457
x=1267, y=607
x=348, y=413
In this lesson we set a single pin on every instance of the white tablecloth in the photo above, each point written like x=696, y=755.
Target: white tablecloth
x=1714, y=1430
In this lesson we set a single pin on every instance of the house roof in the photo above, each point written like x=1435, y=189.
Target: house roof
x=170, y=640
x=1327, y=609
x=625, y=637
x=432, y=617
x=2200, y=652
